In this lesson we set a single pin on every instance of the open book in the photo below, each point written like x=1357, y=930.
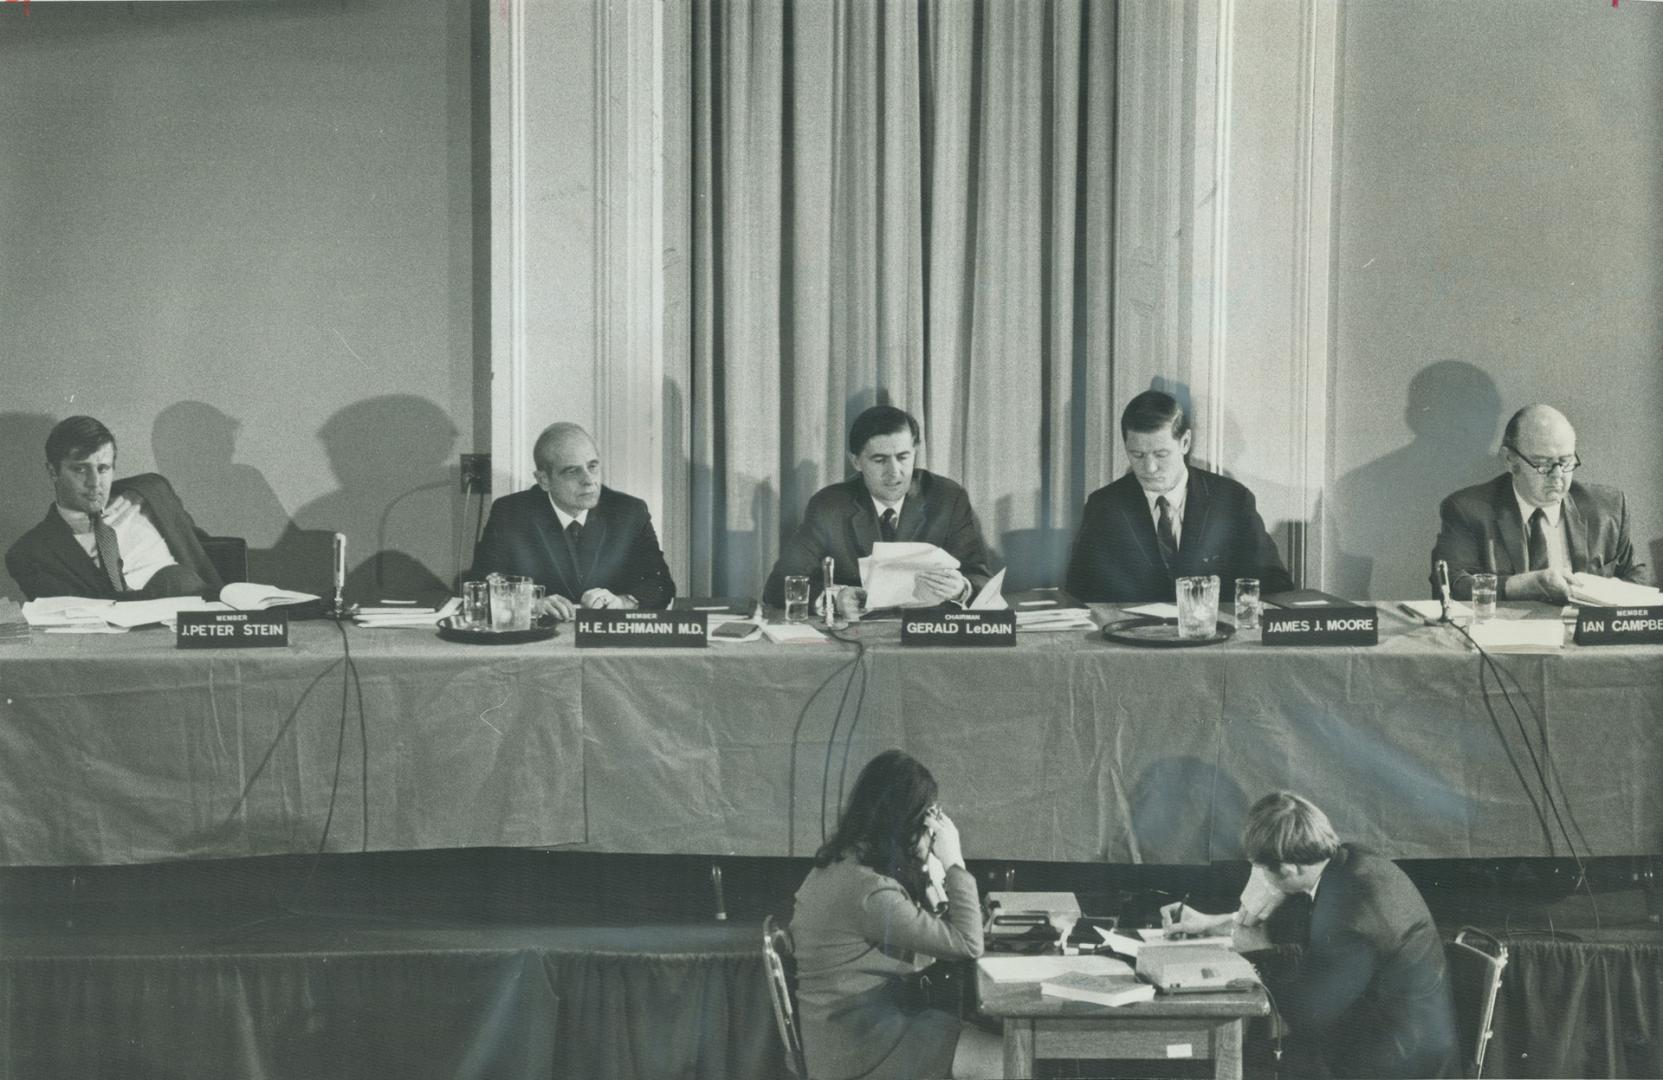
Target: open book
x=249, y=596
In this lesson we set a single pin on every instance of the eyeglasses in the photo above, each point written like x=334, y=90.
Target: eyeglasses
x=1566, y=465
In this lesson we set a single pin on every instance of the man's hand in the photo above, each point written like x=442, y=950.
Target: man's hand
x=1181, y=920
x=850, y=600
x=606, y=598
x=561, y=608
x=1259, y=898
x=1549, y=585
x=938, y=586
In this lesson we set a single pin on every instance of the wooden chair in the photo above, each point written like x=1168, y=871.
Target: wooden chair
x=1475, y=963
x=778, y=958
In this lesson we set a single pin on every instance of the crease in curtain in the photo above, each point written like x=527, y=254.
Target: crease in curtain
x=904, y=202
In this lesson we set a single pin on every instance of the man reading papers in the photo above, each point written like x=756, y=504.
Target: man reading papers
x=105, y=538
x=1166, y=519
x=585, y=543
x=889, y=499
x=1535, y=527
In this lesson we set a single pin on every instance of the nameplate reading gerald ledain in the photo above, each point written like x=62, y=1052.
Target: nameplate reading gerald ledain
x=939, y=626
x=642, y=629
x=1353, y=625
x=232, y=629
x=1619, y=626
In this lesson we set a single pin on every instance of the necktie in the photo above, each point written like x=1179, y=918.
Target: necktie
x=1163, y=532
x=886, y=525
x=574, y=537
x=1539, y=540
x=109, y=552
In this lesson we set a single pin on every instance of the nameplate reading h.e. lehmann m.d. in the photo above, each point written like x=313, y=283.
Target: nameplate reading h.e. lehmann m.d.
x=950, y=626
x=232, y=629
x=1352, y=625
x=1619, y=626
x=600, y=628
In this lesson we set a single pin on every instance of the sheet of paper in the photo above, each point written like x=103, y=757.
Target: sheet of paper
x=409, y=620
x=992, y=596
x=1596, y=591
x=889, y=574
x=1520, y=635
x=87, y=628
x=131, y=613
x=1156, y=611
x=1129, y=946
x=1009, y=969
x=49, y=611
x=793, y=634
x=251, y=596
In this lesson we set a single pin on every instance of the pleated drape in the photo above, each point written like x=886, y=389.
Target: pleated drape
x=904, y=202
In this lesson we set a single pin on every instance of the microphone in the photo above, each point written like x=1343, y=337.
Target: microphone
x=1443, y=588
x=339, y=604
x=716, y=887
x=828, y=605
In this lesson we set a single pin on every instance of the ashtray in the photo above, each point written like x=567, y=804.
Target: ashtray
x=541, y=630
x=1149, y=632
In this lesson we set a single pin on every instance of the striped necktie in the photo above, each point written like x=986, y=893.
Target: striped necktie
x=109, y=551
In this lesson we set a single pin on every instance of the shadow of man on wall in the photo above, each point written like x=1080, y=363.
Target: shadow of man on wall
x=194, y=446
x=1383, y=516
x=25, y=492
x=399, y=503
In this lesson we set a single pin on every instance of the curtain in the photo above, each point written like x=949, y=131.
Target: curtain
x=906, y=202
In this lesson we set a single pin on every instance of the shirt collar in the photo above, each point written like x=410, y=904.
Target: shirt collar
x=1550, y=512
x=566, y=519
x=80, y=521
x=1174, y=498
x=878, y=508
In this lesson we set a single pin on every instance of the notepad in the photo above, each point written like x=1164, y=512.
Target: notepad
x=793, y=634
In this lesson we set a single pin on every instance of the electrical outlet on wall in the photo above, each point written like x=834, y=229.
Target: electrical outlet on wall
x=476, y=472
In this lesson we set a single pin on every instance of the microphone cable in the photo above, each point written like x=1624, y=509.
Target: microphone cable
x=854, y=721
x=791, y=778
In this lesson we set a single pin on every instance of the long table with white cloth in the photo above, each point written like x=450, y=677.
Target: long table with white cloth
x=121, y=748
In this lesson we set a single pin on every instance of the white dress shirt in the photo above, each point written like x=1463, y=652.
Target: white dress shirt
x=1559, y=554
x=143, y=551
x=1175, y=500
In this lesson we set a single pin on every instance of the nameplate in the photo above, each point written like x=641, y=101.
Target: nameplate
x=950, y=626
x=642, y=629
x=232, y=629
x=1619, y=626
x=1351, y=625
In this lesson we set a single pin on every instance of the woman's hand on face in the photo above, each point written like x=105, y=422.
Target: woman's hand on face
x=945, y=840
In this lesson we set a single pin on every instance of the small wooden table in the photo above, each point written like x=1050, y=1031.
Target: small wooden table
x=1170, y=1026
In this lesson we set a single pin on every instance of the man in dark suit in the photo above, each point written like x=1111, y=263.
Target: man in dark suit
x=1534, y=526
x=889, y=499
x=586, y=544
x=110, y=539
x=1368, y=992
x=1166, y=519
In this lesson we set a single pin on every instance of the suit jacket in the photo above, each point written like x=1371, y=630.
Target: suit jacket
x=1370, y=992
x=619, y=549
x=1117, y=560
x=1596, y=533
x=47, y=561
x=841, y=521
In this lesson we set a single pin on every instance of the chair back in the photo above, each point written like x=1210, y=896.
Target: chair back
x=229, y=554
x=1475, y=963
x=778, y=957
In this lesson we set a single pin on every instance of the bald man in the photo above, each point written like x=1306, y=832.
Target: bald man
x=1535, y=525
x=586, y=544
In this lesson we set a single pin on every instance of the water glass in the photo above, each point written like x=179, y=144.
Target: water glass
x=502, y=603
x=1483, y=597
x=1198, y=606
x=476, y=605
x=538, y=592
x=1247, y=603
x=796, y=598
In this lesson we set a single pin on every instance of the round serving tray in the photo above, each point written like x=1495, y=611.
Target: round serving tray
x=542, y=630
x=1148, y=632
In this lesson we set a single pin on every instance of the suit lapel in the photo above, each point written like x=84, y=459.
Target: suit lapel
x=62, y=545
x=553, y=539
x=1576, y=532
x=1510, y=529
x=1134, y=512
x=863, y=522
x=590, y=546
x=915, y=513
x=1198, y=503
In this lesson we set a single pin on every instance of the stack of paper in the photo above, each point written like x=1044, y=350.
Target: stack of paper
x=1519, y=635
x=12, y=623
x=69, y=614
x=250, y=596
x=1113, y=990
x=793, y=634
x=890, y=574
x=1050, y=620
x=165, y=610
x=1595, y=591
x=1016, y=969
x=1128, y=945
x=406, y=616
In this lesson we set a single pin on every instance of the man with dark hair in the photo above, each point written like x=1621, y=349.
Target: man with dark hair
x=1369, y=994
x=1166, y=519
x=586, y=544
x=107, y=538
x=1534, y=525
x=891, y=500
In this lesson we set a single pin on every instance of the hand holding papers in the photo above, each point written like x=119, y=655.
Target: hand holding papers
x=892, y=574
x=1595, y=591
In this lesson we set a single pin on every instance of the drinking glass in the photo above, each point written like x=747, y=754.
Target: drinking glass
x=1198, y=606
x=1483, y=597
x=796, y=598
x=476, y=605
x=502, y=603
x=522, y=602
x=1247, y=603
x=537, y=594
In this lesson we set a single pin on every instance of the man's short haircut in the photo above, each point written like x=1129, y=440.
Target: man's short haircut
x=552, y=434
x=880, y=420
x=1154, y=410
x=78, y=437
x=1286, y=828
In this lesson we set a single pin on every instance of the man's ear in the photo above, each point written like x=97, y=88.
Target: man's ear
x=541, y=477
x=1186, y=442
x=854, y=462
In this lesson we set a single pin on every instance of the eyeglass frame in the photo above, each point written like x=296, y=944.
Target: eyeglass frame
x=1560, y=465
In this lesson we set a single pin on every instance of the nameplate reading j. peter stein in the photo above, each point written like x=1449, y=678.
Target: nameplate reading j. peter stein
x=1320, y=626
x=937, y=626
x=232, y=629
x=642, y=629
x=1619, y=626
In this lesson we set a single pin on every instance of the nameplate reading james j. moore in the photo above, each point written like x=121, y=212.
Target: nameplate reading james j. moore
x=232, y=630
x=642, y=629
x=937, y=626
x=1619, y=626
x=1320, y=626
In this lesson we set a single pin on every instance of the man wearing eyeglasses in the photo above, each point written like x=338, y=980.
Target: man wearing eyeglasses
x=1535, y=525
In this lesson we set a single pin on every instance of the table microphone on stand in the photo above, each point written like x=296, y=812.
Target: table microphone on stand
x=828, y=600
x=1443, y=588
x=337, y=606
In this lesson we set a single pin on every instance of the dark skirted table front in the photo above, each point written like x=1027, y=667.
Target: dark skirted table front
x=120, y=749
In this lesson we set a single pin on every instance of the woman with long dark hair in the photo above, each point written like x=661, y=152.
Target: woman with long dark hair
x=864, y=922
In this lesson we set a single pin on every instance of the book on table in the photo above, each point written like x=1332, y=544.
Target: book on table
x=1111, y=988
